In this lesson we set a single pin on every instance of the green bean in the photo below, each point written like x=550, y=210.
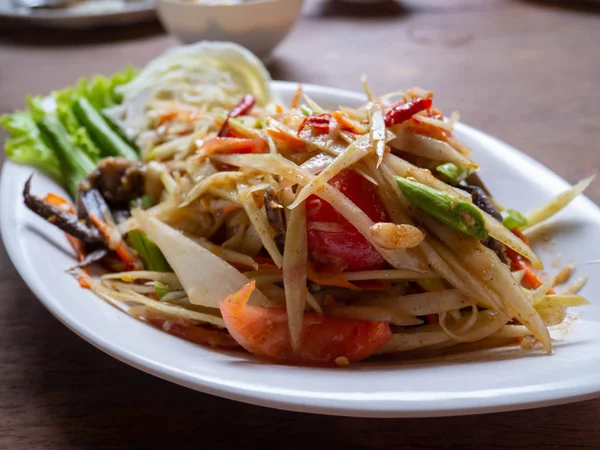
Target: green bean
x=75, y=164
x=512, y=219
x=148, y=252
x=457, y=214
x=110, y=143
x=306, y=110
x=454, y=173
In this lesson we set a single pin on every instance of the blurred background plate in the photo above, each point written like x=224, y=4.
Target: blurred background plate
x=88, y=14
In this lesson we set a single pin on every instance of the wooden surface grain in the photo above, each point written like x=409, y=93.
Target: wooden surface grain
x=524, y=71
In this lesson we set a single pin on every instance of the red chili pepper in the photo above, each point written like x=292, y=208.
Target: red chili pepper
x=405, y=111
x=319, y=122
x=242, y=108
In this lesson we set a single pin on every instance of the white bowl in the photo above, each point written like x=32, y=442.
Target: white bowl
x=258, y=25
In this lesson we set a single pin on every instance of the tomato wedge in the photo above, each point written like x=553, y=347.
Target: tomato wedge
x=333, y=242
x=264, y=332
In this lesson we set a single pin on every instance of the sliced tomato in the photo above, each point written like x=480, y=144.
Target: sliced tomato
x=333, y=242
x=264, y=332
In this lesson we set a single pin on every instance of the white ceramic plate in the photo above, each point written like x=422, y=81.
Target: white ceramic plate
x=92, y=14
x=449, y=386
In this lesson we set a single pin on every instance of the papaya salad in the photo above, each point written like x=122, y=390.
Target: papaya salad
x=203, y=205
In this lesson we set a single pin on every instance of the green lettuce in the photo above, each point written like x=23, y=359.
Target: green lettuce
x=27, y=144
x=100, y=91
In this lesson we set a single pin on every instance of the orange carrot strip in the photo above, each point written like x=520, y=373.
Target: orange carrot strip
x=231, y=208
x=531, y=279
x=63, y=203
x=325, y=280
x=346, y=124
x=83, y=281
x=284, y=138
x=297, y=96
x=122, y=250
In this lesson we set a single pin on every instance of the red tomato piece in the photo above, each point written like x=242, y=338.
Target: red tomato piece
x=264, y=332
x=335, y=243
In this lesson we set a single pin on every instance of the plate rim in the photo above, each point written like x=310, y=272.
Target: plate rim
x=290, y=400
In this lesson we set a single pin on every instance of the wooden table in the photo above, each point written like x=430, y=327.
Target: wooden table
x=525, y=71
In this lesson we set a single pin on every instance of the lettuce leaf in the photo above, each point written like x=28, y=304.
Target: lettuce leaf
x=27, y=145
x=100, y=92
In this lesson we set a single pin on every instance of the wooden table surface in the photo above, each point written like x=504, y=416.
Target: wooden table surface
x=522, y=70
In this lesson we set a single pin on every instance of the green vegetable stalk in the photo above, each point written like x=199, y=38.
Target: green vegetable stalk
x=75, y=164
x=306, y=110
x=148, y=252
x=457, y=214
x=513, y=219
x=161, y=289
x=64, y=100
x=454, y=173
x=104, y=136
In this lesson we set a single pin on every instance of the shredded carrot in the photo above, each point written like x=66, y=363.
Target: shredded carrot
x=264, y=262
x=165, y=117
x=232, y=145
x=64, y=204
x=122, y=250
x=346, y=124
x=279, y=109
x=61, y=202
x=183, y=116
x=83, y=281
x=521, y=236
x=231, y=208
x=284, y=138
x=77, y=246
x=531, y=280
x=297, y=96
x=327, y=280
